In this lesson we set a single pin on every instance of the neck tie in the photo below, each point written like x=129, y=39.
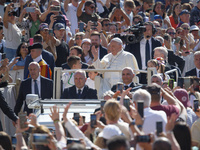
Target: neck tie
x=125, y=87
x=147, y=54
x=79, y=94
x=36, y=88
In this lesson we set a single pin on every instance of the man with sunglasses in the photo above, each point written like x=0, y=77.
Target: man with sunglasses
x=89, y=14
x=105, y=25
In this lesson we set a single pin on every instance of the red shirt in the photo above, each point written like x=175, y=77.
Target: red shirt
x=168, y=109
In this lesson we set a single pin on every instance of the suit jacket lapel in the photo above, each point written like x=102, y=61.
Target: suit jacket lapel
x=73, y=93
x=41, y=87
x=152, y=47
x=83, y=94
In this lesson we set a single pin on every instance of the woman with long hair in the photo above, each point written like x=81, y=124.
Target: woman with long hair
x=176, y=10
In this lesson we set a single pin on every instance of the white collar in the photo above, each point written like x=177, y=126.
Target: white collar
x=128, y=84
x=38, y=79
x=38, y=58
x=80, y=89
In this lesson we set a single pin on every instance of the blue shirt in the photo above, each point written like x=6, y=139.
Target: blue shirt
x=20, y=62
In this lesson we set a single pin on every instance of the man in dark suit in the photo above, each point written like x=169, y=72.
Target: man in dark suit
x=96, y=40
x=79, y=90
x=127, y=77
x=143, y=51
x=6, y=110
x=36, y=84
x=195, y=71
x=47, y=56
x=75, y=51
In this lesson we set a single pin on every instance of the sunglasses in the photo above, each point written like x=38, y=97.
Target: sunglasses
x=24, y=47
x=106, y=24
x=171, y=33
x=186, y=28
x=10, y=14
x=78, y=38
x=92, y=7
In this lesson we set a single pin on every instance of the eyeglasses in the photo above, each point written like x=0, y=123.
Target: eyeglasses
x=92, y=7
x=45, y=30
x=24, y=47
x=10, y=14
x=106, y=24
x=171, y=33
x=78, y=38
x=186, y=28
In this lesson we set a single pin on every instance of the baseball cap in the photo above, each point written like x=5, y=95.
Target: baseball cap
x=184, y=11
x=88, y=3
x=182, y=96
x=86, y=40
x=157, y=17
x=43, y=26
x=110, y=131
x=59, y=26
x=194, y=27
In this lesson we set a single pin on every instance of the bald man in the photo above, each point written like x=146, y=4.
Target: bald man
x=127, y=78
x=117, y=59
x=36, y=84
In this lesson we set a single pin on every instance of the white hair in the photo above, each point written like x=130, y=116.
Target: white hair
x=128, y=68
x=34, y=63
x=163, y=51
x=196, y=53
x=144, y=95
x=80, y=71
x=160, y=38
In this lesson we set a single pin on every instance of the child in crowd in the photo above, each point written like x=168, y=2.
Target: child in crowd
x=90, y=79
x=74, y=62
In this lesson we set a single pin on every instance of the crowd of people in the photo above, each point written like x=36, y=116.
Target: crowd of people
x=127, y=35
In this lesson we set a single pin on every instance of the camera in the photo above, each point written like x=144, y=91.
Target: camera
x=135, y=34
x=40, y=139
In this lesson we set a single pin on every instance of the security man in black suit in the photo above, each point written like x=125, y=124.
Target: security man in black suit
x=195, y=71
x=143, y=51
x=36, y=84
x=127, y=78
x=6, y=110
x=96, y=41
x=79, y=90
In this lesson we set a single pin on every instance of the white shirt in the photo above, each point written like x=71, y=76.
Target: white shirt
x=33, y=86
x=143, y=51
x=68, y=80
x=12, y=36
x=71, y=15
x=90, y=83
x=79, y=89
x=38, y=58
x=119, y=61
x=198, y=75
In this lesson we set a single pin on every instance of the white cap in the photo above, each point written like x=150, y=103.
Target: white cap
x=194, y=27
x=110, y=131
x=86, y=40
x=118, y=40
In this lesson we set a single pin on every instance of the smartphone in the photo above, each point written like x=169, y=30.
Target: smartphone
x=73, y=140
x=120, y=87
x=14, y=141
x=143, y=138
x=159, y=127
x=171, y=83
x=30, y=9
x=102, y=105
x=95, y=23
x=59, y=17
x=196, y=84
x=177, y=40
x=55, y=9
x=140, y=108
x=51, y=32
x=40, y=139
x=76, y=117
x=81, y=26
x=15, y=5
x=196, y=104
x=93, y=120
x=127, y=104
x=180, y=82
x=3, y=56
x=187, y=82
x=23, y=119
x=31, y=41
x=152, y=16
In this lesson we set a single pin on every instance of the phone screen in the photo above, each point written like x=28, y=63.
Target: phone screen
x=23, y=119
x=196, y=105
x=81, y=26
x=152, y=16
x=120, y=87
x=143, y=138
x=140, y=107
x=180, y=82
x=40, y=139
x=177, y=40
x=102, y=105
x=76, y=117
x=159, y=127
x=127, y=104
x=93, y=119
x=171, y=83
x=187, y=83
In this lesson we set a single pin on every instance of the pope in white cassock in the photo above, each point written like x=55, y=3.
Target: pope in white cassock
x=117, y=59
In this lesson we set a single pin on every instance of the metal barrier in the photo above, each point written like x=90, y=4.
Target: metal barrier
x=171, y=71
x=58, y=74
